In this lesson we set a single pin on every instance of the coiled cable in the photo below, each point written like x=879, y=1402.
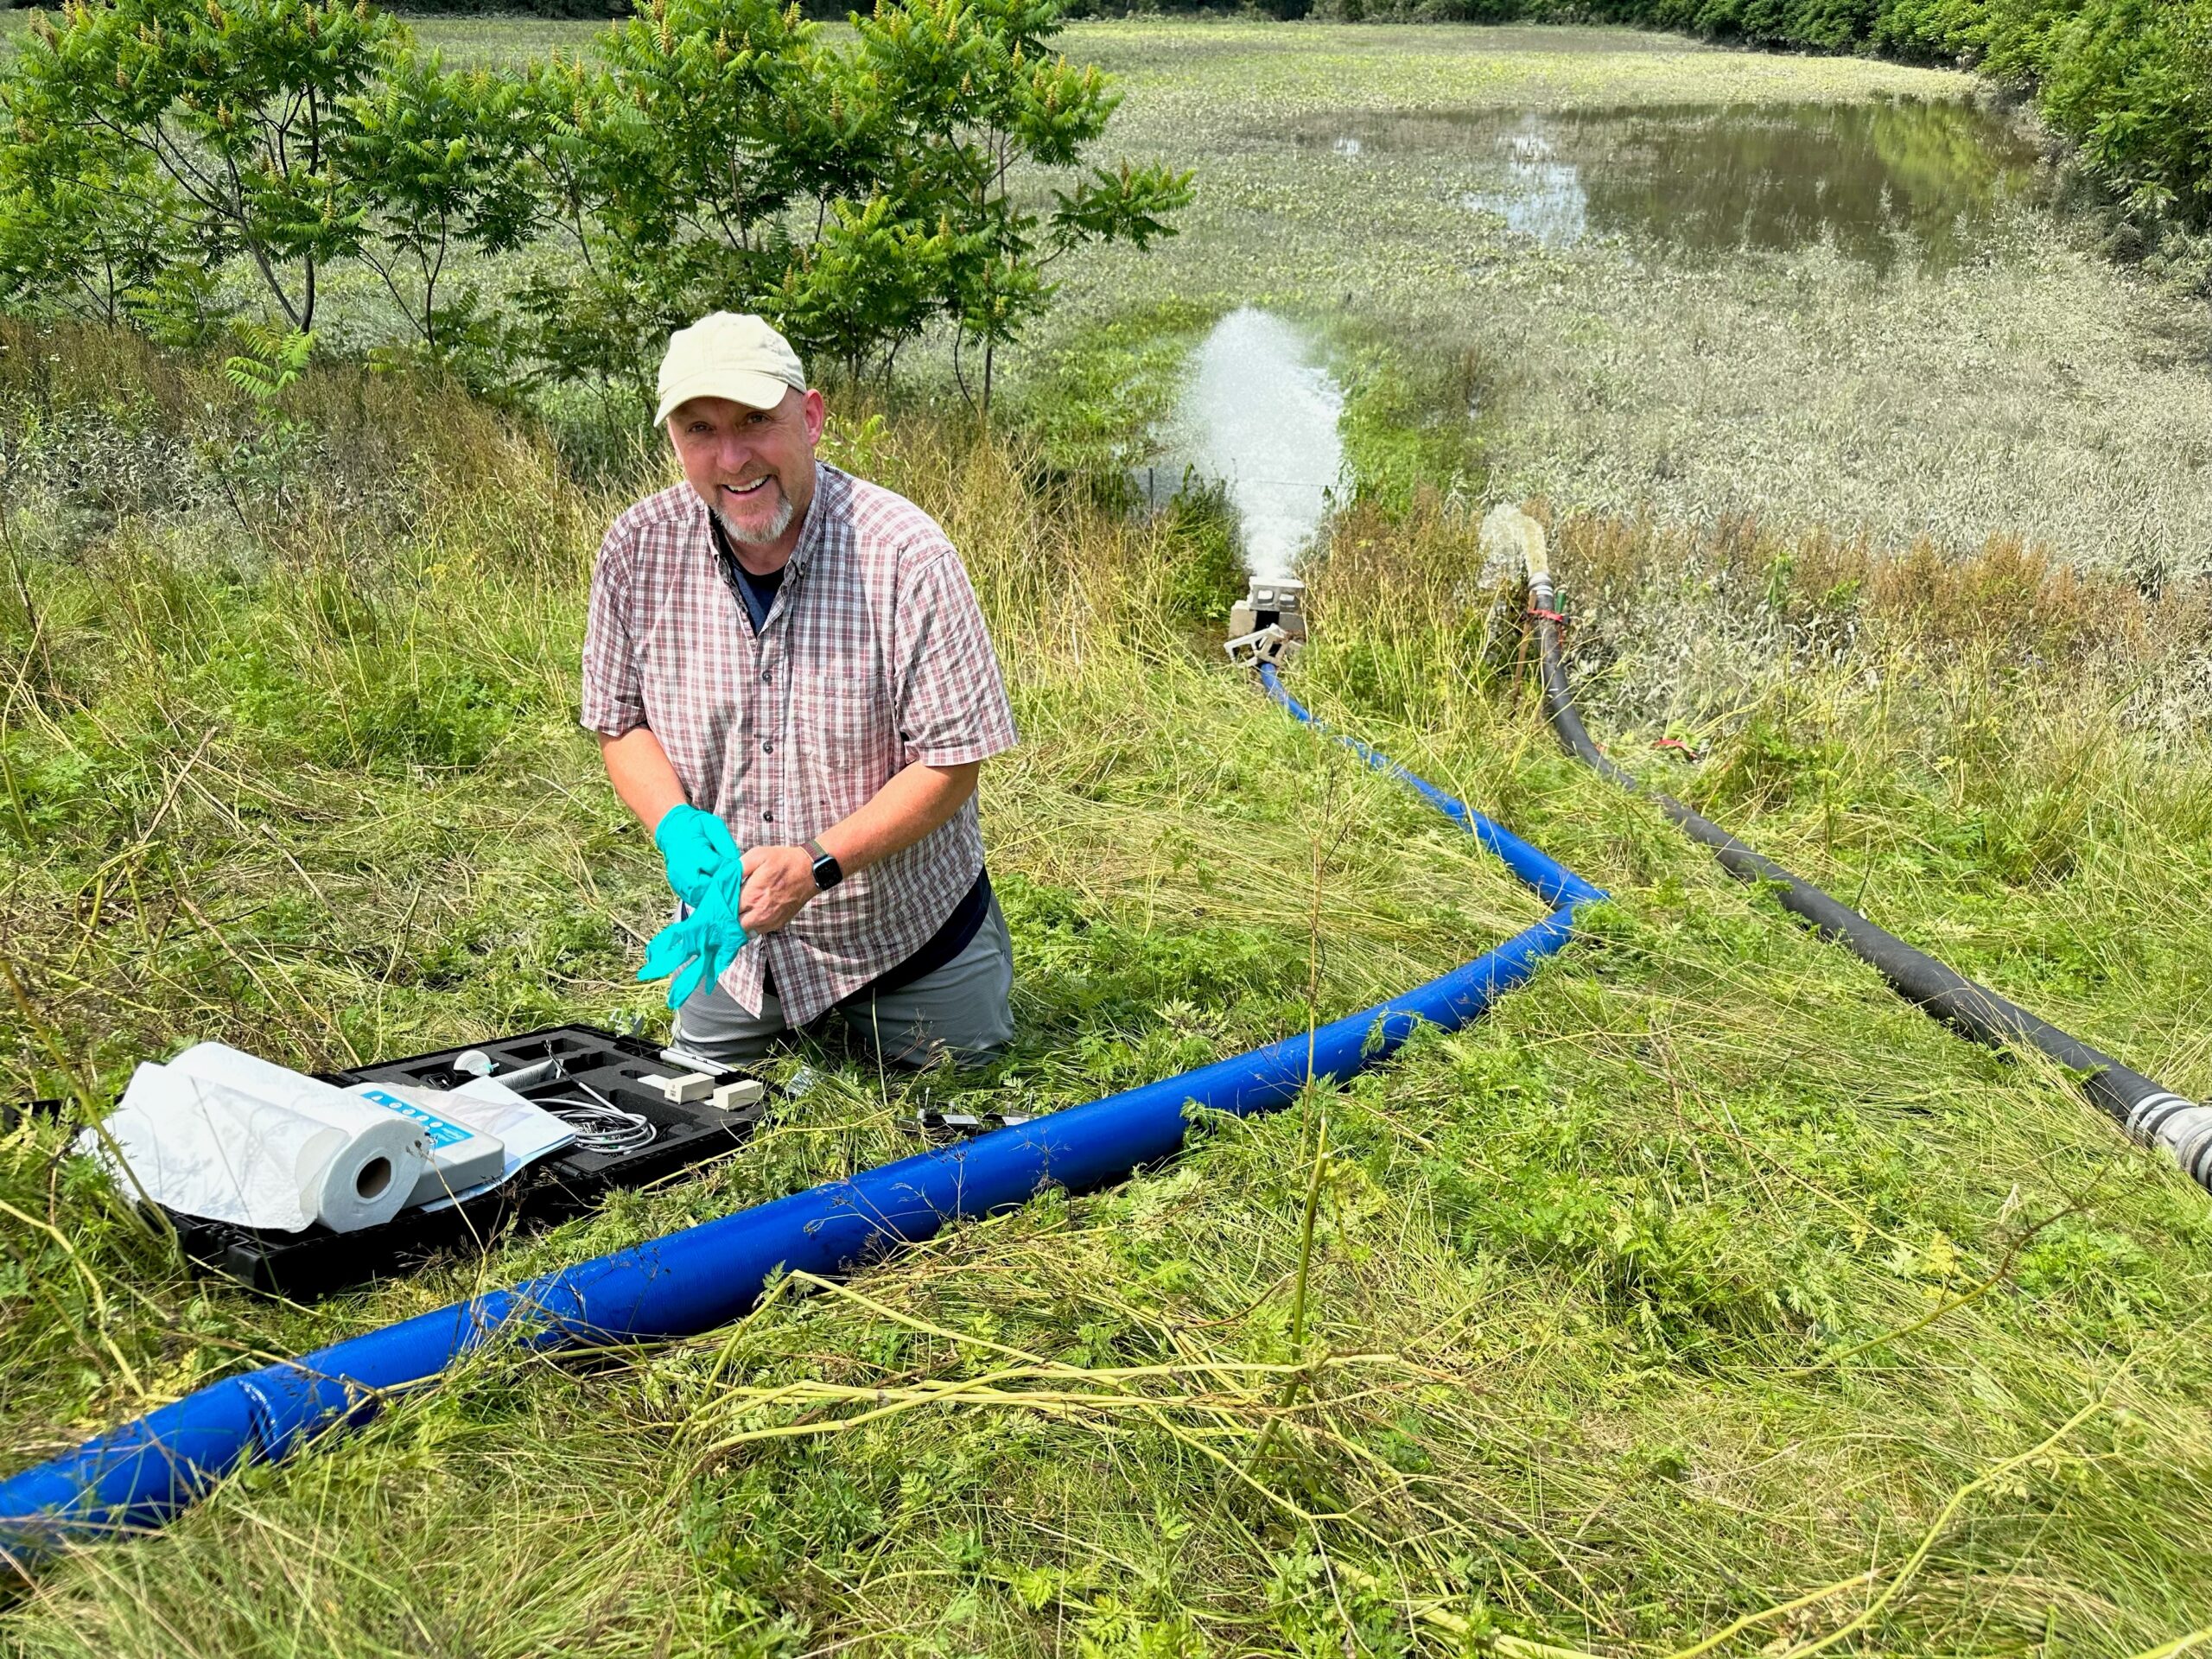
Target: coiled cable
x=604, y=1128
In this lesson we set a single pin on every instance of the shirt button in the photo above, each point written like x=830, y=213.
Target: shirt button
x=767, y=817
x=766, y=748
x=768, y=676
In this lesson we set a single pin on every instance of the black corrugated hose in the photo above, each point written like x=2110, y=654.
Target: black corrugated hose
x=2150, y=1113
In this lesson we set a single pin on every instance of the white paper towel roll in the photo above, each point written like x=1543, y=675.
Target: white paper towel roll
x=360, y=1175
x=221, y=1133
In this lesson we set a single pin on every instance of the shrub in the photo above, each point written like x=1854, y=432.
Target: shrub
x=157, y=144
x=223, y=125
x=725, y=154
x=717, y=154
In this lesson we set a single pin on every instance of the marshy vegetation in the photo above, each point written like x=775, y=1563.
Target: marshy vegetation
x=1702, y=1298
x=1837, y=376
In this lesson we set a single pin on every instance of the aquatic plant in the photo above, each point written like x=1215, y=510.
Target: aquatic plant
x=2121, y=79
x=1835, y=379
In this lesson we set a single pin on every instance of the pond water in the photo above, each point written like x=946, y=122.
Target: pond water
x=1259, y=413
x=1893, y=178
x=1923, y=183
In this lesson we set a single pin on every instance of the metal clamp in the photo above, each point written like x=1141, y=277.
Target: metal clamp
x=1268, y=645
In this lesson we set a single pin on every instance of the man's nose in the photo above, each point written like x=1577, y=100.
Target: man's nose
x=736, y=451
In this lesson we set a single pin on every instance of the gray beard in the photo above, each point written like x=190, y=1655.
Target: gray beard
x=775, y=527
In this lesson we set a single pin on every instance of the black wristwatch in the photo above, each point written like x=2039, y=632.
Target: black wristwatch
x=827, y=872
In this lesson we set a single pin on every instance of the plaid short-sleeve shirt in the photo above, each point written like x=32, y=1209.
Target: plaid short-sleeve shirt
x=874, y=656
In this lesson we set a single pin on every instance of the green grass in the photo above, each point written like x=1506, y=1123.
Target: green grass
x=1700, y=1276
x=1700, y=1279
x=505, y=42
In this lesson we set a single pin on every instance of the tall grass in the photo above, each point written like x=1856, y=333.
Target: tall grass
x=1702, y=1288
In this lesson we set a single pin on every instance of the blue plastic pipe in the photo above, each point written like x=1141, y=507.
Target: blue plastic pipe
x=139, y=1475
x=1552, y=880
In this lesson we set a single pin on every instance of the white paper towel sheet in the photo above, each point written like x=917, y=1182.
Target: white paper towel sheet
x=221, y=1133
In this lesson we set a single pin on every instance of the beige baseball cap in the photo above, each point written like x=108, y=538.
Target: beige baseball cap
x=726, y=355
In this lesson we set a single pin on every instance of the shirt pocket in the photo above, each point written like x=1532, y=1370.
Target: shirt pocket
x=851, y=753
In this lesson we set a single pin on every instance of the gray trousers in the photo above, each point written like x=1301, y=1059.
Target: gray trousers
x=960, y=1012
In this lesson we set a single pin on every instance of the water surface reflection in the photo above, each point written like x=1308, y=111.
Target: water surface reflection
x=1879, y=181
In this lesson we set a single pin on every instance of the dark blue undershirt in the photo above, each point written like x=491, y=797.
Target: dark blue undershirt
x=758, y=592
x=758, y=595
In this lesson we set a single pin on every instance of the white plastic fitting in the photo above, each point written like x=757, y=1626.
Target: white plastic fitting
x=736, y=1096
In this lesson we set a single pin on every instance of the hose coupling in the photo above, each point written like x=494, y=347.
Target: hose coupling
x=2183, y=1127
x=1268, y=645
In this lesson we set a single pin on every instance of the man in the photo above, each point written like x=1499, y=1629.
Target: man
x=793, y=688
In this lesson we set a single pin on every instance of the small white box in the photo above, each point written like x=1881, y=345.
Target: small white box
x=736, y=1096
x=460, y=1157
x=682, y=1090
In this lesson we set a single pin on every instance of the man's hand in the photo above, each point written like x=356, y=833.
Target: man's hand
x=773, y=884
x=778, y=880
x=694, y=845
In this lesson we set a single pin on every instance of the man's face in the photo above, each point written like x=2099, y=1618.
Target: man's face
x=752, y=466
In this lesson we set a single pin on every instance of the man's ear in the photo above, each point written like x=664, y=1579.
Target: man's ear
x=816, y=414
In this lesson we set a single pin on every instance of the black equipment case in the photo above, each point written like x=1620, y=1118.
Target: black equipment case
x=318, y=1260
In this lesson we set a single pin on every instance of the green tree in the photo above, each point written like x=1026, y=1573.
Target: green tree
x=88, y=225
x=866, y=286
x=2128, y=80
x=716, y=153
x=975, y=97
x=727, y=153
x=695, y=165
x=439, y=157
x=242, y=107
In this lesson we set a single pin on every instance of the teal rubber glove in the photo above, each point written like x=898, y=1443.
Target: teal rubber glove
x=707, y=940
x=694, y=844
